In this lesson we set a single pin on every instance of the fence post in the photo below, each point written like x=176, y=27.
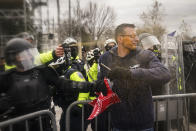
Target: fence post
x=13, y=121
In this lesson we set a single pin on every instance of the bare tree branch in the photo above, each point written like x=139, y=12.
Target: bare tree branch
x=92, y=21
x=152, y=19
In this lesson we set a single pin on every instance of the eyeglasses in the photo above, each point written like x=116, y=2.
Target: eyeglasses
x=131, y=36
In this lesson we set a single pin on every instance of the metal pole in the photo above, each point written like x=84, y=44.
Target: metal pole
x=156, y=113
x=25, y=16
x=53, y=28
x=188, y=108
x=48, y=17
x=164, y=49
x=40, y=12
x=70, y=25
x=58, y=18
x=80, y=41
x=167, y=115
x=83, y=119
x=68, y=111
x=161, y=97
x=182, y=62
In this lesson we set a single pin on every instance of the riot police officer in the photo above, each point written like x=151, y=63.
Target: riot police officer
x=92, y=67
x=45, y=57
x=74, y=71
x=189, y=57
x=109, y=44
x=92, y=64
x=26, y=88
x=150, y=42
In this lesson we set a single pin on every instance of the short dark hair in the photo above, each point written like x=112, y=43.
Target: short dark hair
x=120, y=29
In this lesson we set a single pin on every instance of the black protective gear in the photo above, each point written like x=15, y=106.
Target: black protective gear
x=76, y=110
x=68, y=90
x=100, y=86
x=91, y=62
x=189, y=57
x=5, y=102
x=2, y=68
x=97, y=54
x=28, y=89
x=108, y=47
x=84, y=87
x=13, y=47
x=74, y=51
x=79, y=65
x=119, y=73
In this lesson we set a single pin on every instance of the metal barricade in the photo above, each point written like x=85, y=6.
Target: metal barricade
x=68, y=112
x=9, y=123
x=173, y=107
x=166, y=107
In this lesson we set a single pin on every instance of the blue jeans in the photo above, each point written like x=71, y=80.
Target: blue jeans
x=150, y=129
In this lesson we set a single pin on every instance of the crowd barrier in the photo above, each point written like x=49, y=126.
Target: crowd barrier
x=9, y=123
x=167, y=108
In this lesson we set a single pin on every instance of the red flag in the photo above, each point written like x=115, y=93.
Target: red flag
x=103, y=102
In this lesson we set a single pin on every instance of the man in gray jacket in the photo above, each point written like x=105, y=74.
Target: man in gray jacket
x=133, y=71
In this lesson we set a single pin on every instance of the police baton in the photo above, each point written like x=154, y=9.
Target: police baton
x=108, y=68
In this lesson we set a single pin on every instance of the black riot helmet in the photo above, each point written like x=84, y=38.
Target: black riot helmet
x=26, y=36
x=13, y=47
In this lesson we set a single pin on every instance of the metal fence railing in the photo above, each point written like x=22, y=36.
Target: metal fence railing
x=167, y=108
x=25, y=118
x=174, y=107
x=69, y=111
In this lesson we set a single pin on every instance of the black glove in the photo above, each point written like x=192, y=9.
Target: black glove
x=119, y=73
x=81, y=86
x=97, y=54
x=99, y=86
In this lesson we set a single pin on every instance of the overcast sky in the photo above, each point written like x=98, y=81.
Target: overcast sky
x=129, y=11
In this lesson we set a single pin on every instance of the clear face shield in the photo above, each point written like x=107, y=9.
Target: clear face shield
x=149, y=41
x=28, y=59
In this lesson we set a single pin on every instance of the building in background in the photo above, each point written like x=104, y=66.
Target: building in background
x=19, y=16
